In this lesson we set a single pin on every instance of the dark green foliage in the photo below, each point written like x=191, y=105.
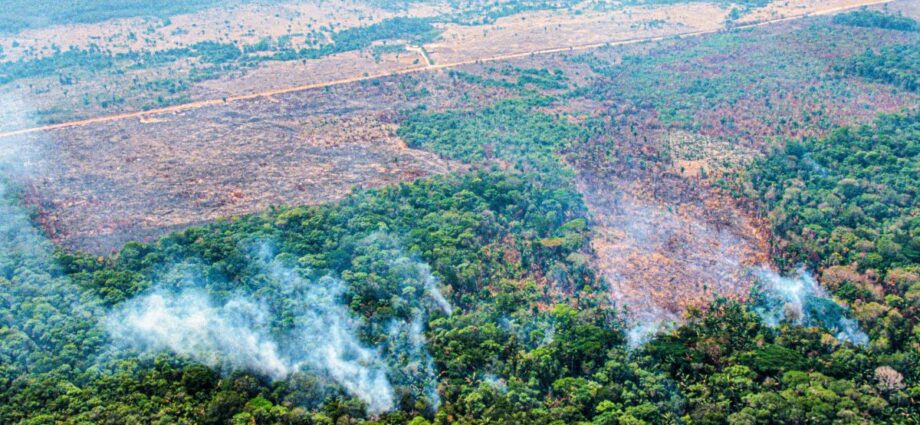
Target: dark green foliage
x=477, y=232
x=542, y=78
x=216, y=57
x=849, y=197
x=531, y=339
x=897, y=65
x=732, y=369
x=18, y=15
x=773, y=359
x=874, y=19
x=512, y=130
x=93, y=59
x=847, y=202
x=415, y=30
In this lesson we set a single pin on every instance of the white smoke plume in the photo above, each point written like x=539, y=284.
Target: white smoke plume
x=318, y=334
x=409, y=359
x=494, y=381
x=644, y=325
x=40, y=308
x=186, y=317
x=236, y=334
x=801, y=300
x=406, y=348
x=411, y=270
x=431, y=286
x=324, y=338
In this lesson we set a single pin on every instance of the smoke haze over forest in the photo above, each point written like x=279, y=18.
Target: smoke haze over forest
x=362, y=212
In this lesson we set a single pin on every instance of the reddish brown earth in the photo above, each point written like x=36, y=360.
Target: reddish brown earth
x=101, y=185
x=666, y=247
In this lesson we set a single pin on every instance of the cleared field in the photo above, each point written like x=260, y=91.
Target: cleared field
x=285, y=74
x=790, y=8
x=666, y=247
x=77, y=94
x=240, y=24
x=103, y=185
x=582, y=26
x=679, y=116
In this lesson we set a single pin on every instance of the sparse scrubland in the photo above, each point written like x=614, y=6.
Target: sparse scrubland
x=708, y=230
x=129, y=56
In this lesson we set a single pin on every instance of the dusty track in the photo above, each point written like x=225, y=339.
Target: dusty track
x=429, y=67
x=421, y=53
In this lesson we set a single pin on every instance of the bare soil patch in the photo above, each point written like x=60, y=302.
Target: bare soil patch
x=241, y=24
x=272, y=75
x=110, y=93
x=790, y=8
x=670, y=245
x=555, y=29
x=102, y=185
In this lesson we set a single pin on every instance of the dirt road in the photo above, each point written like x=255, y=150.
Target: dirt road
x=427, y=67
x=422, y=54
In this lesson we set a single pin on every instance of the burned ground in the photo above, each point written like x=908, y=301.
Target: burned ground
x=676, y=121
x=102, y=185
x=667, y=123
x=671, y=246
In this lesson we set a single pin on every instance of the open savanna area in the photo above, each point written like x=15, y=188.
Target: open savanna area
x=580, y=26
x=302, y=24
x=133, y=64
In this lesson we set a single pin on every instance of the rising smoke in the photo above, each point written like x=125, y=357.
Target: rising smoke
x=800, y=300
x=324, y=336
x=319, y=334
x=796, y=299
x=236, y=334
x=41, y=311
x=645, y=324
x=410, y=364
x=386, y=249
x=405, y=348
x=291, y=325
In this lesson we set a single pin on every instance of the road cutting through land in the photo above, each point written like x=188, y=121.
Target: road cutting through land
x=148, y=115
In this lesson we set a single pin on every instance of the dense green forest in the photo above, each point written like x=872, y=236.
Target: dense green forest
x=874, y=19
x=895, y=65
x=848, y=198
x=512, y=130
x=848, y=203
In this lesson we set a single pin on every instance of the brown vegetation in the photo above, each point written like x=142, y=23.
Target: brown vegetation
x=666, y=244
x=105, y=184
x=509, y=37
